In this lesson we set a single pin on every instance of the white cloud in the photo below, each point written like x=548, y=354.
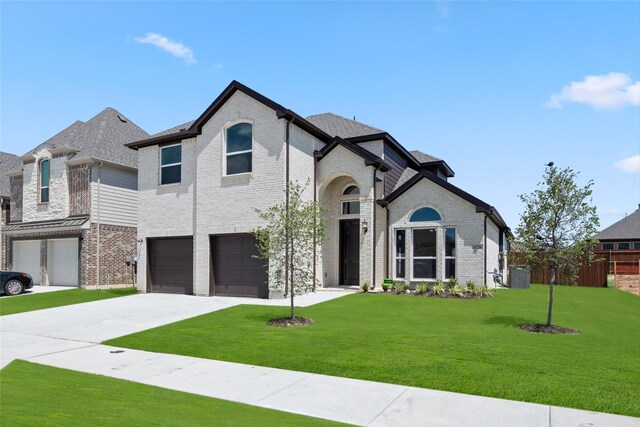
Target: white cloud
x=174, y=48
x=609, y=91
x=630, y=164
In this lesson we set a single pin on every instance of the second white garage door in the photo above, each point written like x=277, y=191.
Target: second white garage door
x=62, y=262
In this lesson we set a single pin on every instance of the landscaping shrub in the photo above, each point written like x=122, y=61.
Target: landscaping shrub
x=385, y=286
x=438, y=288
x=400, y=287
x=486, y=292
x=422, y=288
x=455, y=289
x=365, y=287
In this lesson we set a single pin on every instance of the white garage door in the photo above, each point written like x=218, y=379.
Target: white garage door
x=62, y=262
x=26, y=258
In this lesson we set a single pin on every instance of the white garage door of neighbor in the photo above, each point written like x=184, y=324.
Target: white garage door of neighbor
x=62, y=262
x=26, y=258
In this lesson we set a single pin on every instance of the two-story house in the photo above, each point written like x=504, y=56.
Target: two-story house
x=389, y=212
x=73, y=212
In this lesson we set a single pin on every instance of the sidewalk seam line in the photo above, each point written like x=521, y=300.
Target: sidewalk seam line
x=285, y=387
x=56, y=352
x=404, y=389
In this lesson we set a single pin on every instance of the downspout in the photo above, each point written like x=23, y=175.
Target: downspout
x=484, y=249
x=98, y=228
x=315, y=219
x=387, y=244
x=286, y=206
x=373, y=234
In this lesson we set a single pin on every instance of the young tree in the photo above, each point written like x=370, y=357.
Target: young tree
x=290, y=239
x=557, y=225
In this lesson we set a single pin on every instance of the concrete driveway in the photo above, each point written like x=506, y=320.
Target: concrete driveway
x=44, y=331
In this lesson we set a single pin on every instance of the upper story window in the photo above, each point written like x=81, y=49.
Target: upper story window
x=607, y=246
x=170, y=164
x=44, y=181
x=425, y=214
x=238, y=144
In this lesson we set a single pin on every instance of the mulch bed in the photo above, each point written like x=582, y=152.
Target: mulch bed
x=287, y=322
x=444, y=295
x=539, y=328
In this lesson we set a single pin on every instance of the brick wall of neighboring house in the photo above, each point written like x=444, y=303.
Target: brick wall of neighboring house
x=4, y=219
x=79, y=178
x=116, y=243
x=16, y=183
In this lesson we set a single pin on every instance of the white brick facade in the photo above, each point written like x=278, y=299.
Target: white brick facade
x=207, y=202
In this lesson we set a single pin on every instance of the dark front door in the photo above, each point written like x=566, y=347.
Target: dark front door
x=236, y=269
x=171, y=265
x=350, y=252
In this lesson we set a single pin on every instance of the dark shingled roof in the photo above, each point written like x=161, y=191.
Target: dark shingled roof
x=174, y=129
x=102, y=137
x=336, y=125
x=628, y=228
x=424, y=157
x=8, y=163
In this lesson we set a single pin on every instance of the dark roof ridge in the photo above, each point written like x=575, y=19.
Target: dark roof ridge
x=196, y=127
x=481, y=206
x=370, y=159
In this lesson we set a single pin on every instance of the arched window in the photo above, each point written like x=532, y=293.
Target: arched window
x=238, y=140
x=352, y=189
x=425, y=214
x=44, y=181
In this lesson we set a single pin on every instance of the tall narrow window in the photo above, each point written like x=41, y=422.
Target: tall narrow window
x=424, y=253
x=449, y=253
x=400, y=254
x=170, y=164
x=44, y=181
x=239, y=139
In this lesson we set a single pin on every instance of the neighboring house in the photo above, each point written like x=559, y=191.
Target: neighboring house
x=8, y=162
x=390, y=212
x=74, y=205
x=623, y=235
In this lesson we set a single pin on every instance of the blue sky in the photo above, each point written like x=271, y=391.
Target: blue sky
x=497, y=89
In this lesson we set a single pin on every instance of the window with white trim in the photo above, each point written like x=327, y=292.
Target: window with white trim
x=400, y=253
x=170, y=164
x=239, y=139
x=424, y=253
x=44, y=181
x=449, y=253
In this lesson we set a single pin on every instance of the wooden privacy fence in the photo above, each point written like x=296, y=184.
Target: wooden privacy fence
x=591, y=275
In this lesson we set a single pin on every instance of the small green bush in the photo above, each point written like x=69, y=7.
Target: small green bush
x=474, y=289
x=385, y=287
x=455, y=289
x=365, y=287
x=400, y=287
x=486, y=292
x=438, y=288
x=422, y=288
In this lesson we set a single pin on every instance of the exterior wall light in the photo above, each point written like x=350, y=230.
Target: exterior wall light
x=365, y=226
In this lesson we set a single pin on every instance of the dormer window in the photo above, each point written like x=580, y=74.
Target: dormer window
x=238, y=145
x=44, y=181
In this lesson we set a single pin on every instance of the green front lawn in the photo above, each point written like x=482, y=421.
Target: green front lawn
x=37, y=395
x=19, y=304
x=468, y=346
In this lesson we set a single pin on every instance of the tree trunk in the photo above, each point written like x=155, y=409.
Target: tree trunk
x=551, y=281
x=292, y=293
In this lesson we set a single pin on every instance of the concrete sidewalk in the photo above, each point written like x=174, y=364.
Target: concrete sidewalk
x=358, y=402
x=69, y=337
